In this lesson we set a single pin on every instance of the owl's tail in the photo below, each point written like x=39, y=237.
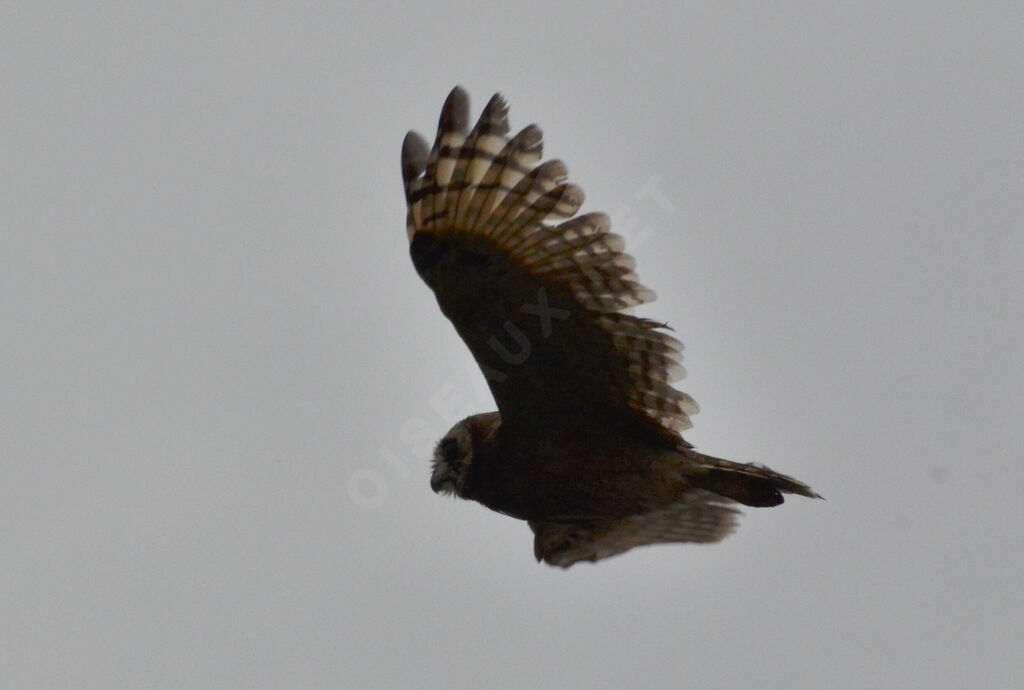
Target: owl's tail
x=751, y=484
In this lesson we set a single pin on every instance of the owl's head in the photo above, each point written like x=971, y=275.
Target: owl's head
x=452, y=457
x=454, y=453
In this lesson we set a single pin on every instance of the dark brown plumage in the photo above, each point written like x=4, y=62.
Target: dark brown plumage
x=586, y=444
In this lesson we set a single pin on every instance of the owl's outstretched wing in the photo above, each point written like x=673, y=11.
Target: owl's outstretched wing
x=702, y=517
x=537, y=294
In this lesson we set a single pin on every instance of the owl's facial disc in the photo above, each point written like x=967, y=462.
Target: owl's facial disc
x=451, y=459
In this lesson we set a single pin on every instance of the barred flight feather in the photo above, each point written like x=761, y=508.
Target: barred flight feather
x=480, y=182
x=702, y=517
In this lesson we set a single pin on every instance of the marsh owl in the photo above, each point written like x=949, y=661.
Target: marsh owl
x=585, y=445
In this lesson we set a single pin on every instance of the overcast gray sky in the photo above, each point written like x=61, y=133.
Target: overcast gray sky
x=219, y=366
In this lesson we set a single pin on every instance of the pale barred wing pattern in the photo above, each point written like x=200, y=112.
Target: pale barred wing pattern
x=493, y=232
x=701, y=517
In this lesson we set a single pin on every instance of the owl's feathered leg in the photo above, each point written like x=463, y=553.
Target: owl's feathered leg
x=751, y=484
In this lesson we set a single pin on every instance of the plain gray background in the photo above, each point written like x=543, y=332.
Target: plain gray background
x=222, y=377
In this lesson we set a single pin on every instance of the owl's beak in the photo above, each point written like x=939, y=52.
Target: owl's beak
x=441, y=480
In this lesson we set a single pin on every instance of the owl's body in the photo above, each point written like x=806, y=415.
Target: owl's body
x=585, y=445
x=558, y=476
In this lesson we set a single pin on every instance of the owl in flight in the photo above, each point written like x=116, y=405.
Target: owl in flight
x=585, y=444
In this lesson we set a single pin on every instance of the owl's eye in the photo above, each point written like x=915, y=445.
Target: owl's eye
x=449, y=450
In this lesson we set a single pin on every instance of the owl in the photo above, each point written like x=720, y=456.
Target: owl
x=585, y=445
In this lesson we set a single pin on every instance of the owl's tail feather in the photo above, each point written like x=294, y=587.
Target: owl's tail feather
x=751, y=484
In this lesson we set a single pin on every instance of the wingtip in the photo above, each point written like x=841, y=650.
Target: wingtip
x=530, y=139
x=455, y=113
x=494, y=118
x=414, y=157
